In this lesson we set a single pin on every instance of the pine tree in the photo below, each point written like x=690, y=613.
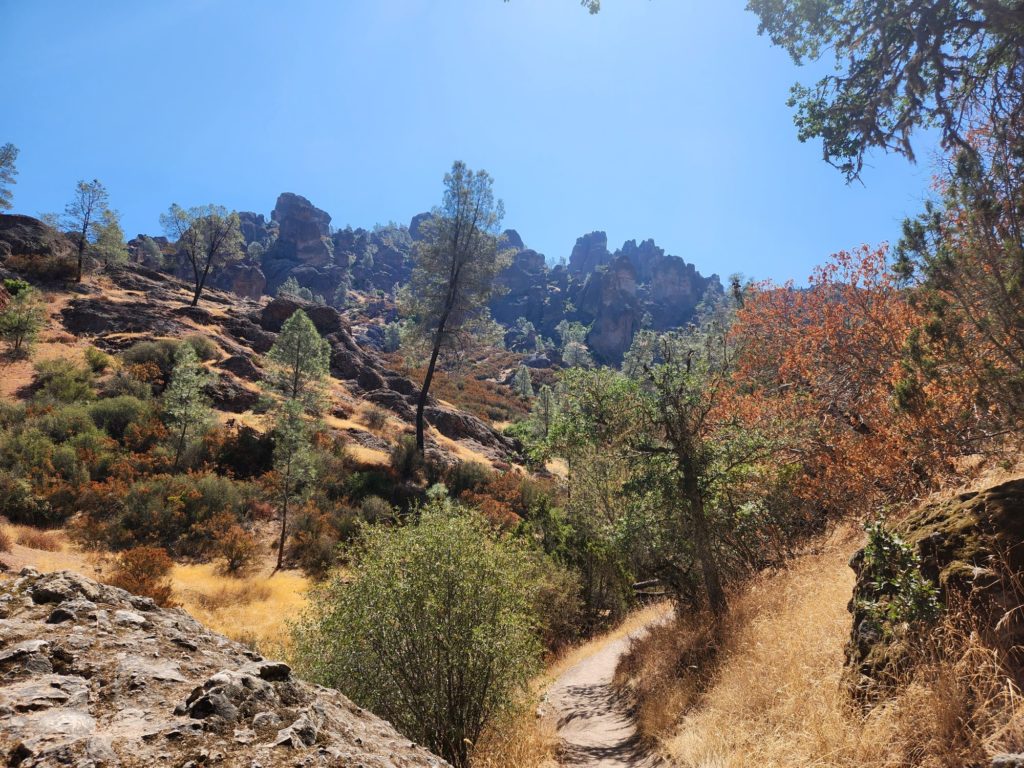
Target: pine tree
x=109, y=247
x=8, y=170
x=82, y=216
x=522, y=383
x=456, y=263
x=300, y=360
x=545, y=409
x=186, y=405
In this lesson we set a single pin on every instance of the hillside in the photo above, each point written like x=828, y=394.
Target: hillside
x=123, y=307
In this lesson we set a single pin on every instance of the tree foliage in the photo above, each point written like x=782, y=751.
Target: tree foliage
x=434, y=630
x=964, y=258
x=8, y=170
x=300, y=359
x=456, y=262
x=186, y=405
x=21, y=320
x=209, y=237
x=84, y=216
x=900, y=65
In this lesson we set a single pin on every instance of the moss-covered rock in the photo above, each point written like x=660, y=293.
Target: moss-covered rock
x=972, y=548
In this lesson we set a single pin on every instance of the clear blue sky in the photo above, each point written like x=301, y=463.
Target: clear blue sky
x=656, y=118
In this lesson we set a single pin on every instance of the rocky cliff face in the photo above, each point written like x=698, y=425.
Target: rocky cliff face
x=91, y=675
x=616, y=293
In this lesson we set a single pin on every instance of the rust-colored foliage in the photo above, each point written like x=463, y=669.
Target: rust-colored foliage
x=145, y=571
x=823, y=369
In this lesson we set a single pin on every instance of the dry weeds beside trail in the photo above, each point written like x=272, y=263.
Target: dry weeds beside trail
x=593, y=723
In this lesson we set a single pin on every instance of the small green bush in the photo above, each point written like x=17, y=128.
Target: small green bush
x=16, y=287
x=467, y=476
x=406, y=459
x=203, y=346
x=898, y=592
x=122, y=383
x=62, y=381
x=21, y=321
x=434, y=630
x=160, y=352
x=115, y=414
x=19, y=504
x=374, y=509
x=62, y=422
x=97, y=359
x=375, y=418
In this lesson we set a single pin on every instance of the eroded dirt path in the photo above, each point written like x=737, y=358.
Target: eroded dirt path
x=594, y=725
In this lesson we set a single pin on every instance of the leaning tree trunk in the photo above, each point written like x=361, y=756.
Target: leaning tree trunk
x=421, y=403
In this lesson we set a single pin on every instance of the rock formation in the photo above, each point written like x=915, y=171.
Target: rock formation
x=91, y=675
x=972, y=548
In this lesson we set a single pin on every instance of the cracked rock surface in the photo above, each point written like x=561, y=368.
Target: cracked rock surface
x=94, y=677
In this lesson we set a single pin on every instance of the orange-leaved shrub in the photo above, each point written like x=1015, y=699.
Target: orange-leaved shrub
x=144, y=571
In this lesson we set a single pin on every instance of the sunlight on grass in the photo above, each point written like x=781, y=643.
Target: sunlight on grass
x=254, y=610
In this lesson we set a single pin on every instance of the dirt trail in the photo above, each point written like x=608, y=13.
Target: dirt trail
x=594, y=725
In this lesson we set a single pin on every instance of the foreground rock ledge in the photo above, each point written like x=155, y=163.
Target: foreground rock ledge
x=92, y=676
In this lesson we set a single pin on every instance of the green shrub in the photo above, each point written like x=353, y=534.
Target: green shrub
x=203, y=346
x=19, y=504
x=62, y=381
x=406, y=458
x=467, y=476
x=374, y=509
x=115, y=414
x=160, y=352
x=170, y=511
x=62, y=422
x=371, y=482
x=434, y=630
x=123, y=383
x=898, y=592
x=97, y=359
x=21, y=320
x=31, y=454
x=375, y=418
x=16, y=287
x=11, y=413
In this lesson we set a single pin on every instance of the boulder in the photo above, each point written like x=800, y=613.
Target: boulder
x=326, y=319
x=972, y=548
x=26, y=236
x=119, y=686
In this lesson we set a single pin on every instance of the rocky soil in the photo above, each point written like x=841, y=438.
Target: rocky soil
x=94, y=677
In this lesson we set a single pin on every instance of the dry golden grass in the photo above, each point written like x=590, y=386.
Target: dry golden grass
x=32, y=538
x=253, y=610
x=777, y=702
x=522, y=740
x=367, y=456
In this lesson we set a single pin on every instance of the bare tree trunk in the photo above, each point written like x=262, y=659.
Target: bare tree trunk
x=284, y=520
x=81, y=255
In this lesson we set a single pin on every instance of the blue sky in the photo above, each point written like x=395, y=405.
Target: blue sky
x=655, y=118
